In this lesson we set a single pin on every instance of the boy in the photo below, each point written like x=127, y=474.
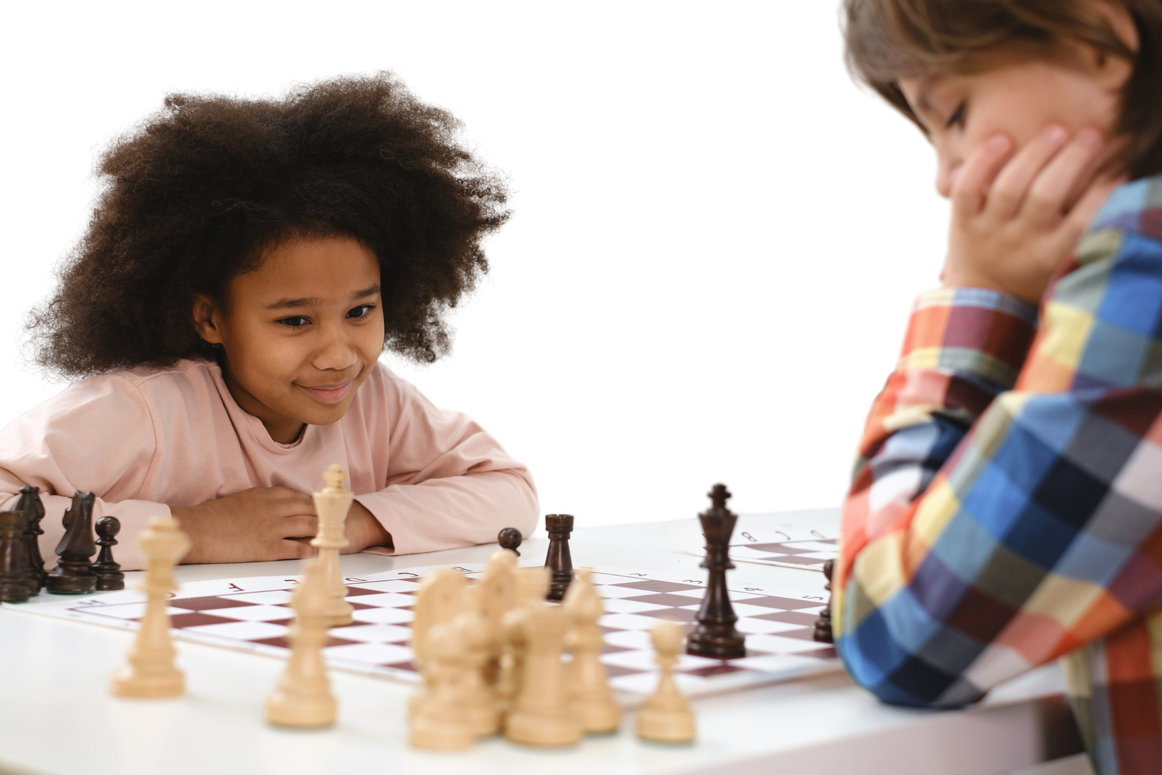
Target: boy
x=1006, y=508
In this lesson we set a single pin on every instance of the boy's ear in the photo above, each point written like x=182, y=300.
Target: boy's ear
x=1120, y=21
x=207, y=320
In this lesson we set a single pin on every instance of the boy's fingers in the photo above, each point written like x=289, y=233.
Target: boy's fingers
x=1090, y=203
x=1051, y=192
x=978, y=170
x=1020, y=176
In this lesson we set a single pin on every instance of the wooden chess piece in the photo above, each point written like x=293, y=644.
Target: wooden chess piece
x=109, y=575
x=558, y=559
x=822, y=632
x=13, y=574
x=510, y=538
x=495, y=596
x=440, y=722
x=72, y=575
x=475, y=695
x=715, y=634
x=303, y=698
x=332, y=505
x=532, y=584
x=441, y=597
x=588, y=683
x=543, y=713
x=151, y=672
x=33, y=509
x=666, y=716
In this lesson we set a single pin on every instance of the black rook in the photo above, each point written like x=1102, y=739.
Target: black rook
x=558, y=560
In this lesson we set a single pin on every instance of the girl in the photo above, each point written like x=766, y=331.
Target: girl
x=1006, y=507
x=246, y=264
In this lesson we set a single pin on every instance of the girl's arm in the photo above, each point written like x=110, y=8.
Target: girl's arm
x=992, y=526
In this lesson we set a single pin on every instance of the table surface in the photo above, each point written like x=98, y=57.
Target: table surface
x=57, y=718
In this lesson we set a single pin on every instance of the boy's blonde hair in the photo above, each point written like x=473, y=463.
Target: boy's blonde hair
x=892, y=39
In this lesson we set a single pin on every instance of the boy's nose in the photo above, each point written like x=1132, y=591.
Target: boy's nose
x=946, y=172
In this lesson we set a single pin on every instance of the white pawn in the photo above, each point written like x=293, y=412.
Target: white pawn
x=442, y=597
x=666, y=716
x=151, y=672
x=332, y=505
x=303, y=695
x=588, y=683
x=440, y=721
x=532, y=584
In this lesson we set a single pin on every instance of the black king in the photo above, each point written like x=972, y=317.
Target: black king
x=715, y=635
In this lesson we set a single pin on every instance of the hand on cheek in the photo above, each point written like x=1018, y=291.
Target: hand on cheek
x=1017, y=216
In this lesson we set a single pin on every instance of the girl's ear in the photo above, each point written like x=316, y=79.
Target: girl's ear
x=207, y=320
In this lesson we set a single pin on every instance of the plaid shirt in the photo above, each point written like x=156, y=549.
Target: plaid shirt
x=1006, y=506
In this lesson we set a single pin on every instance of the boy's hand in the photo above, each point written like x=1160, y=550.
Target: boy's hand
x=254, y=525
x=1015, y=220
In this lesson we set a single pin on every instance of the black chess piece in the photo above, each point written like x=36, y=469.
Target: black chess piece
x=822, y=632
x=13, y=576
x=33, y=509
x=715, y=634
x=558, y=560
x=510, y=538
x=72, y=575
x=109, y=575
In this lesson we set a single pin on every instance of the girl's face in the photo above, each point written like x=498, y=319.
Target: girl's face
x=301, y=333
x=1016, y=96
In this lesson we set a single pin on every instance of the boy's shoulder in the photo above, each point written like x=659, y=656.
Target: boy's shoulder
x=1135, y=207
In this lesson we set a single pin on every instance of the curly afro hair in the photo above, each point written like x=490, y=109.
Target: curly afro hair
x=199, y=192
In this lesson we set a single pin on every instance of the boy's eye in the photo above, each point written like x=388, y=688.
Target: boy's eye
x=361, y=311
x=957, y=117
x=293, y=322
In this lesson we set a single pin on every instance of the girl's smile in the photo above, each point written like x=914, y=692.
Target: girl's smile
x=300, y=333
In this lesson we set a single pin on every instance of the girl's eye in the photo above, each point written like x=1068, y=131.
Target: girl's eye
x=957, y=117
x=363, y=310
x=298, y=321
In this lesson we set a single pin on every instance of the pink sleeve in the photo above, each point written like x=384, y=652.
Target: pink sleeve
x=96, y=436
x=449, y=483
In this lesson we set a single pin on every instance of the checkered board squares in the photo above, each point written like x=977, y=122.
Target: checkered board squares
x=795, y=554
x=254, y=615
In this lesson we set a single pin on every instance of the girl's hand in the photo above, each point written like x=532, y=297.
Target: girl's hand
x=364, y=530
x=274, y=523
x=1015, y=220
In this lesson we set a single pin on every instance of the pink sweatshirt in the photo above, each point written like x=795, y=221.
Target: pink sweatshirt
x=144, y=440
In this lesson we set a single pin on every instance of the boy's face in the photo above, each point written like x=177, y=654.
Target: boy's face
x=1016, y=96
x=301, y=334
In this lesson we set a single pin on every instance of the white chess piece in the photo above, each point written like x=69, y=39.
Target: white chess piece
x=532, y=584
x=666, y=716
x=303, y=695
x=543, y=713
x=588, y=683
x=441, y=597
x=151, y=672
x=441, y=722
x=332, y=505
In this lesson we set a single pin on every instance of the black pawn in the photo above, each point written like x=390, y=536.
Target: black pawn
x=109, y=575
x=822, y=631
x=715, y=635
x=509, y=538
x=33, y=509
x=72, y=575
x=13, y=576
x=558, y=560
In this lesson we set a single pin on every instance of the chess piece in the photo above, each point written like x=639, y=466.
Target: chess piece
x=588, y=683
x=532, y=584
x=440, y=721
x=666, y=716
x=109, y=575
x=822, y=632
x=715, y=634
x=13, y=574
x=510, y=538
x=558, y=559
x=543, y=714
x=332, y=505
x=495, y=596
x=474, y=695
x=72, y=575
x=303, y=697
x=151, y=672
x=440, y=598
x=33, y=509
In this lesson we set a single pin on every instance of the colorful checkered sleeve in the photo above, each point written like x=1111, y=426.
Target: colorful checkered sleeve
x=1006, y=509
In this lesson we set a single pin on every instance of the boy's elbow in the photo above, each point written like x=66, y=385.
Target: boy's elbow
x=899, y=678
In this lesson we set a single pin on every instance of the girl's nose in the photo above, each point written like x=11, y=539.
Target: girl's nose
x=335, y=352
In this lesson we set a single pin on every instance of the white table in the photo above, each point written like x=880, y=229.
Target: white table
x=56, y=716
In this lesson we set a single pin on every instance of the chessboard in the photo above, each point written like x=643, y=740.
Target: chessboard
x=254, y=614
